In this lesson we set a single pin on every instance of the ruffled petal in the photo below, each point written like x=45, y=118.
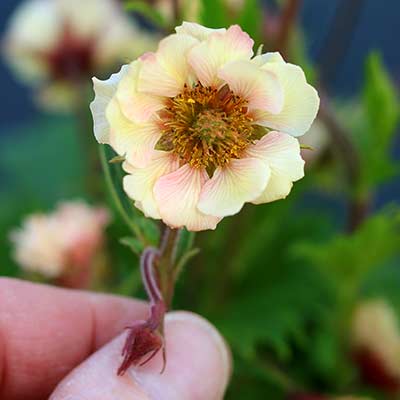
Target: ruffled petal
x=281, y=152
x=261, y=59
x=220, y=48
x=140, y=182
x=198, y=31
x=136, y=106
x=241, y=181
x=301, y=101
x=104, y=91
x=260, y=88
x=177, y=195
x=135, y=141
x=165, y=72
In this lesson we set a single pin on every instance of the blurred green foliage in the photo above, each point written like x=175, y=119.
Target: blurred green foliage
x=377, y=126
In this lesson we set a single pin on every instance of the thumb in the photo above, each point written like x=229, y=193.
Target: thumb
x=198, y=368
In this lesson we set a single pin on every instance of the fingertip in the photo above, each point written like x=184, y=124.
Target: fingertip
x=198, y=361
x=198, y=367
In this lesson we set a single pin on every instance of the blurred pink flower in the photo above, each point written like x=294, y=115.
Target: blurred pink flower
x=204, y=126
x=376, y=344
x=55, y=44
x=60, y=242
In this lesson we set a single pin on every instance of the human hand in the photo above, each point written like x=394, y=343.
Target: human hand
x=51, y=336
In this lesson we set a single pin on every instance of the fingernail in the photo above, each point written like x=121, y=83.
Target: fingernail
x=219, y=341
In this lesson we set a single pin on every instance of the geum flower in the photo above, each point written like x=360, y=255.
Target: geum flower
x=204, y=126
x=54, y=44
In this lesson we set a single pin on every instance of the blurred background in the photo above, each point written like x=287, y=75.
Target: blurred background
x=305, y=290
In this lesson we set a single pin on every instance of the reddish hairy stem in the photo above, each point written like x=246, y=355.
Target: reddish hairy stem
x=149, y=278
x=145, y=337
x=166, y=264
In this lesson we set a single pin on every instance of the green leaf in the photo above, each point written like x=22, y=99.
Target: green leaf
x=275, y=314
x=380, y=101
x=376, y=129
x=348, y=258
x=134, y=244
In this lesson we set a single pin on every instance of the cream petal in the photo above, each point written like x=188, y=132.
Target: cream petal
x=220, y=47
x=135, y=141
x=177, y=195
x=260, y=88
x=136, y=106
x=241, y=181
x=277, y=189
x=301, y=101
x=198, y=31
x=261, y=59
x=139, y=184
x=104, y=91
x=281, y=152
x=165, y=72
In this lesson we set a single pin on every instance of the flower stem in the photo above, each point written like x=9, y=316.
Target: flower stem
x=175, y=11
x=149, y=279
x=116, y=200
x=166, y=265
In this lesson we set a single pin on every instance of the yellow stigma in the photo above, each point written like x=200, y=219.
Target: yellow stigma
x=206, y=127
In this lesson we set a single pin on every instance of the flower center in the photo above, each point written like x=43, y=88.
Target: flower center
x=206, y=127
